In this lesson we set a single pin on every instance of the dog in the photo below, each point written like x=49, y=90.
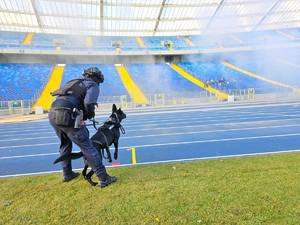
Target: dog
x=106, y=135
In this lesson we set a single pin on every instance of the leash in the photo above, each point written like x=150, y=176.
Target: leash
x=122, y=129
x=94, y=122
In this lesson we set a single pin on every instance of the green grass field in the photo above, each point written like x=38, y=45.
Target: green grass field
x=251, y=190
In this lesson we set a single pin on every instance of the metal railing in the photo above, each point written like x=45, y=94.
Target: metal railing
x=158, y=99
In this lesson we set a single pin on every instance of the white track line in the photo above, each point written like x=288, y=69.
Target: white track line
x=190, y=108
x=56, y=143
x=170, y=134
x=174, y=143
x=136, y=123
x=226, y=118
x=197, y=109
x=164, y=161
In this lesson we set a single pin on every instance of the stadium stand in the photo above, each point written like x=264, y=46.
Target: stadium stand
x=275, y=69
x=224, y=78
x=135, y=93
x=11, y=39
x=293, y=32
x=160, y=78
x=106, y=43
x=261, y=38
x=53, y=41
x=22, y=81
x=155, y=43
x=204, y=42
x=113, y=85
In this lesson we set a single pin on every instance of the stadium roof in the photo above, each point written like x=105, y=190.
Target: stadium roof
x=147, y=17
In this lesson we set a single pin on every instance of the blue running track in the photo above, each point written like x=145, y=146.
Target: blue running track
x=195, y=132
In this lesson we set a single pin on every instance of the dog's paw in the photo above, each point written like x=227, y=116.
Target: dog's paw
x=115, y=155
x=109, y=160
x=88, y=179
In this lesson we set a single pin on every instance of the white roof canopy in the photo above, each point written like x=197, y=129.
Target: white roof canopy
x=147, y=17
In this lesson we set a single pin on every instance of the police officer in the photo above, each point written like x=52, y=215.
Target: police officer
x=77, y=95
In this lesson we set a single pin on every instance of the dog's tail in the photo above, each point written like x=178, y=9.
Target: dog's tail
x=71, y=156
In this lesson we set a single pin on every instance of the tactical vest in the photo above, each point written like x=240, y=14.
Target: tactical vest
x=74, y=88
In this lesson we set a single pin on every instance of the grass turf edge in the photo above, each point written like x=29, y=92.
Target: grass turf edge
x=247, y=190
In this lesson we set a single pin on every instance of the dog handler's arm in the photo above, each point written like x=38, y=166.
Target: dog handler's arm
x=90, y=100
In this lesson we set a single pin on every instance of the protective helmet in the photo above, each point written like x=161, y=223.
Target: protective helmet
x=94, y=73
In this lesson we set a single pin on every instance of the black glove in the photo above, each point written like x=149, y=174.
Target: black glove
x=89, y=111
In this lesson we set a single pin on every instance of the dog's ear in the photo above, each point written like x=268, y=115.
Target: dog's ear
x=114, y=108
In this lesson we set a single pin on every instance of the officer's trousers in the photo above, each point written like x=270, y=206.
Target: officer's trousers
x=80, y=136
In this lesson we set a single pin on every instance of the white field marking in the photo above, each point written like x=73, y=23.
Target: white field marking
x=33, y=138
x=202, y=110
x=181, y=111
x=27, y=156
x=31, y=133
x=176, y=143
x=160, y=128
x=279, y=113
x=227, y=118
x=189, y=108
x=211, y=131
x=25, y=130
x=22, y=128
x=163, y=161
x=170, y=134
x=220, y=107
x=20, y=146
x=212, y=140
x=134, y=122
x=205, y=117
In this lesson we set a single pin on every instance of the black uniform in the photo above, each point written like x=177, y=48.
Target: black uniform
x=83, y=96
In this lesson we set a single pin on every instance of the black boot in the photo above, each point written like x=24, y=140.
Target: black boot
x=69, y=174
x=109, y=180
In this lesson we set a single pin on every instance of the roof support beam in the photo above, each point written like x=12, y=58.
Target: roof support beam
x=266, y=15
x=38, y=19
x=101, y=17
x=159, y=15
x=282, y=12
x=46, y=28
x=214, y=15
x=169, y=5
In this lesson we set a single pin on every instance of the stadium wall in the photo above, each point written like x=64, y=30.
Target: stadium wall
x=86, y=59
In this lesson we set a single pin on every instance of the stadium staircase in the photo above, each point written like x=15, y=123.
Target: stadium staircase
x=89, y=42
x=133, y=90
x=28, y=39
x=219, y=94
x=45, y=100
x=258, y=77
x=189, y=41
x=140, y=42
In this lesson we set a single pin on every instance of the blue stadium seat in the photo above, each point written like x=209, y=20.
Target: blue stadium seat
x=22, y=81
x=112, y=85
x=223, y=78
x=156, y=43
x=160, y=78
x=273, y=69
x=104, y=43
x=10, y=39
